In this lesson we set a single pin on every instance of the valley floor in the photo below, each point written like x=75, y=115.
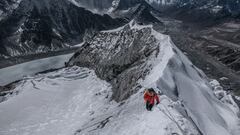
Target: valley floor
x=209, y=48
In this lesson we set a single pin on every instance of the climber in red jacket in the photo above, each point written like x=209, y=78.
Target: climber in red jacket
x=149, y=97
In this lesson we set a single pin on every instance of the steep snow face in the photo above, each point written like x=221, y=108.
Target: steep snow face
x=183, y=81
x=134, y=56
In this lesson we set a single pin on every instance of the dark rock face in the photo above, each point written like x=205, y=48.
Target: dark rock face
x=96, y=4
x=125, y=4
x=48, y=25
x=119, y=57
x=222, y=43
x=215, y=50
x=7, y=6
x=139, y=10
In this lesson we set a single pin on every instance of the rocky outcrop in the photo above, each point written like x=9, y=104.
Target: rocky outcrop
x=7, y=7
x=120, y=56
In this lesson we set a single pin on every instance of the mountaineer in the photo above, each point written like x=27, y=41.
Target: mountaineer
x=149, y=97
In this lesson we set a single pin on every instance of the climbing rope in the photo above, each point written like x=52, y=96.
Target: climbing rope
x=170, y=116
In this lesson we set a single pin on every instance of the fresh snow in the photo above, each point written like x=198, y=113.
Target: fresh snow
x=17, y=72
x=183, y=81
x=74, y=101
x=55, y=103
x=75, y=3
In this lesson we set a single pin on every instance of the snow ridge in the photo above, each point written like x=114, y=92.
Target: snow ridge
x=75, y=100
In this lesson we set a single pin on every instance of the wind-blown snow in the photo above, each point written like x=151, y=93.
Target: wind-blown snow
x=55, y=103
x=17, y=72
x=183, y=81
x=74, y=101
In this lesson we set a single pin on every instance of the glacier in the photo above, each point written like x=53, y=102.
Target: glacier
x=17, y=72
x=76, y=100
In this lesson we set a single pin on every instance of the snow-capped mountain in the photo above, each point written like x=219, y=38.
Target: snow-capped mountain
x=94, y=5
x=48, y=25
x=139, y=10
x=32, y=26
x=117, y=65
x=213, y=7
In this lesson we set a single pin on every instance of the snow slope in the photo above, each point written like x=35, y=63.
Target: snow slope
x=74, y=101
x=185, y=82
x=16, y=72
x=179, y=79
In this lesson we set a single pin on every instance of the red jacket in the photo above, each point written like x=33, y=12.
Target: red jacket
x=151, y=98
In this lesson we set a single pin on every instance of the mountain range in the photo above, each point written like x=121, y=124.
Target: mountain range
x=34, y=26
x=110, y=54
